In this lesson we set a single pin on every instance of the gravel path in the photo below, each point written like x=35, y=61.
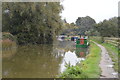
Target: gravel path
x=106, y=64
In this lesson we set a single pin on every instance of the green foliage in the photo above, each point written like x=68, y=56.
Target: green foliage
x=85, y=24
x=108, y=28
x=118, y=26
x=73, y=72
x=86, y=69
x=91, y=65
x=7, y=35
x=32, y=22
x=112, y=50
x=70, y=29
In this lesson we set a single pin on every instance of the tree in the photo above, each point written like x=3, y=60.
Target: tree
x=32, y=22
x=85, y=24
x=108, y=28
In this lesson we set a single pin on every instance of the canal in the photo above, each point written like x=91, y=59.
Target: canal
x=41, y=61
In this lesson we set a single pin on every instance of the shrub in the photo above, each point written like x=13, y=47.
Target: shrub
x=7, y=35
x=73, y=72
x=8, y=41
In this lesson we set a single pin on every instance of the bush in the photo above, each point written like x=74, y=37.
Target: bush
x=8, y=41
x=7, y=35
x=73, y=72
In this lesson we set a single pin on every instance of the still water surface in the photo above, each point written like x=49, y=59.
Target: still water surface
x=41, y=61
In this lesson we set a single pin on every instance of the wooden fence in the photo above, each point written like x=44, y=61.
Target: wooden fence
x=113, y=41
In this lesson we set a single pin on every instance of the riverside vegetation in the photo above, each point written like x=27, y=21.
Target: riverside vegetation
x=86, y=69
x=112, y=50
x=8, y=41
x=40, y=23
x=32, y=22
x=9, y=44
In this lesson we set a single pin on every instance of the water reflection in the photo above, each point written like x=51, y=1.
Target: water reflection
x=81, y=52
x=70, y=58
x=40, y=61
x=32, y=61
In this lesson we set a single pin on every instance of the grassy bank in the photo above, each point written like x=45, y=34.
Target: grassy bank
x=112, y=50
x=88, y=68
x=91, y=64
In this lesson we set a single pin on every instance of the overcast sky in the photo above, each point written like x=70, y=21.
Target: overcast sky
x=97, y=9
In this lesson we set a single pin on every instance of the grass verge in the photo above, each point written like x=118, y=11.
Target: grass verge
x=91, y=64
x=88, y=68
x=112, y=50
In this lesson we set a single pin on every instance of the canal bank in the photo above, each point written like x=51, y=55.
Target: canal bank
x=49, y=61
x=112, y=50
x=89, y=68
x=106, y=64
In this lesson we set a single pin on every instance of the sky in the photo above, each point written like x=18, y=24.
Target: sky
x=97, y=9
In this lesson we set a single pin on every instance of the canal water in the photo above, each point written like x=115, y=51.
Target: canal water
x=41, y=61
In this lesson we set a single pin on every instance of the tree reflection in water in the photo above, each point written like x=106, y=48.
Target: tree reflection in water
x=40, y=61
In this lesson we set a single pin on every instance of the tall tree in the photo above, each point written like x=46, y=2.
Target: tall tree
x=85, y=24
x=108, y=28
x=32, y=22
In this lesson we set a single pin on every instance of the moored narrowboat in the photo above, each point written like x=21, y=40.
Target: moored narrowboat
x=82, y=42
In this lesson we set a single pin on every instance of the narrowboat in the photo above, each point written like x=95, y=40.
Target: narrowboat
x=82, y=43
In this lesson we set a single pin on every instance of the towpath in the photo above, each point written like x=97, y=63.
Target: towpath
x=106, y=64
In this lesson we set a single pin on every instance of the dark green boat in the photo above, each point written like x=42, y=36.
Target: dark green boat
x=82, y=43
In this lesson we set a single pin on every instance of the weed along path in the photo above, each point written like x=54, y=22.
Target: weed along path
x=106, y=64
